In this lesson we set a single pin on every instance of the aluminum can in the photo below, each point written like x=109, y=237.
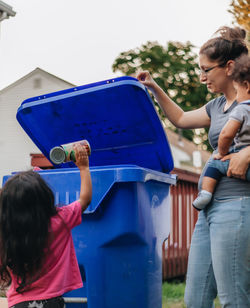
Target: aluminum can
x=65, y=152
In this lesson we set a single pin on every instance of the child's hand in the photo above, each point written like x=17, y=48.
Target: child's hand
x=217, y=156
x=82, y=159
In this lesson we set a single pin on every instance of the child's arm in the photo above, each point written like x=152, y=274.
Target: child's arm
x=227, y=135
x=82, y=162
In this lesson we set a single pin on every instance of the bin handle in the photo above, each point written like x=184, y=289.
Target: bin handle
x=139, y=174
x=153, y=177
x=76, y=300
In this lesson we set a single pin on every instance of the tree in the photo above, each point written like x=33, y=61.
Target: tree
x=240, y=10
x=175, y=68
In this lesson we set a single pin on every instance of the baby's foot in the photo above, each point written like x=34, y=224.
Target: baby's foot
x=204, y=197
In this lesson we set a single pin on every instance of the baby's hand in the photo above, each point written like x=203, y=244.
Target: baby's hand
x=82, y=159
x=217, y=156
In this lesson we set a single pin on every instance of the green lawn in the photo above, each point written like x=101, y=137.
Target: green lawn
x=173, y=295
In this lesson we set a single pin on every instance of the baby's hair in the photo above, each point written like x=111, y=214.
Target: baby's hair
x=241, y=70
x=26, y=207
x=229, y=45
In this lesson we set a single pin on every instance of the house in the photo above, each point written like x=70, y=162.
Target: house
x=5, y=11
x=186, y=154
x=15, y=145
x=18, y=152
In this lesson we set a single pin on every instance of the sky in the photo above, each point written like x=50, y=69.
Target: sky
x=78, y=40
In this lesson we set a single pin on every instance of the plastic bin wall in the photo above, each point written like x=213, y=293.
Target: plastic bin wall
x=119, y=243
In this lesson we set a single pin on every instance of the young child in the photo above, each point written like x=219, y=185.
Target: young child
x=37, y=256
x=237, y=129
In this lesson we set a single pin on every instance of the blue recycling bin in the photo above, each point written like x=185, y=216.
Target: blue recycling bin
x=119, y=243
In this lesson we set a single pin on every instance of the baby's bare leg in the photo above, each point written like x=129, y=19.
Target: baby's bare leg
x=208, y=184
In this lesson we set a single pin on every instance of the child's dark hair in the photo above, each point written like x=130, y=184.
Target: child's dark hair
x=229, y=45
x=26, y=206
x=241, y=70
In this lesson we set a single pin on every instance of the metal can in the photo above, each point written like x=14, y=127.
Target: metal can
x=65, y=152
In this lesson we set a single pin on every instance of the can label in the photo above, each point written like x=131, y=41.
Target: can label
x=69, y=149
x=65, y=152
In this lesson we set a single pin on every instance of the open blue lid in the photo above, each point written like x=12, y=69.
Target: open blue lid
x=116, y=116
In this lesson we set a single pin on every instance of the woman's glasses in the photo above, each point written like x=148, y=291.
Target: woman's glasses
x=205, y=71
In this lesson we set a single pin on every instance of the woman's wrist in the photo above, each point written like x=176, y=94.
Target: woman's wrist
x=246, y=152
x=248, y=156
x=83, y=168
x=155, y=89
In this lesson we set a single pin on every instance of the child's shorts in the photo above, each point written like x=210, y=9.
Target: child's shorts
x=56, y=302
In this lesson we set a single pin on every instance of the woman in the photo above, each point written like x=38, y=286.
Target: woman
x=219, y=257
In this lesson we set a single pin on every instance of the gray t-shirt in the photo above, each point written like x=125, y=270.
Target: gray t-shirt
x=227, y=187
x=241, y=113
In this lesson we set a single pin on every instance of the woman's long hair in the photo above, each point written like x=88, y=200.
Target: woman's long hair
x=26, y=206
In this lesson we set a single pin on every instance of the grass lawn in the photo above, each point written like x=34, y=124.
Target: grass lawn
x=173, y=295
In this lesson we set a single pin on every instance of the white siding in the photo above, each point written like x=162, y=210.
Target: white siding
x=15, y=144
x=179, y=156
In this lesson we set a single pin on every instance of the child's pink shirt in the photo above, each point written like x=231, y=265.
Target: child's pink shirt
x=60, y=271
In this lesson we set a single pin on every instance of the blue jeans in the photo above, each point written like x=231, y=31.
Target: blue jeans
x=222, y=166
x=219, y=257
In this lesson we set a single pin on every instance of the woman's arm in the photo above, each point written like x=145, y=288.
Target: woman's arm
x=192, y=119
x=239, y=163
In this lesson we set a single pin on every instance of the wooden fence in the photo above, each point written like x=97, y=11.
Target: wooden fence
x=183, y=219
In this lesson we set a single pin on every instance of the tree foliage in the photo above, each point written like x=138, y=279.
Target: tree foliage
x=175, y=68
x=240, y=10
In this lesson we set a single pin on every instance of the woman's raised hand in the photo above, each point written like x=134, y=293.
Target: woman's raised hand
x=145, y=78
